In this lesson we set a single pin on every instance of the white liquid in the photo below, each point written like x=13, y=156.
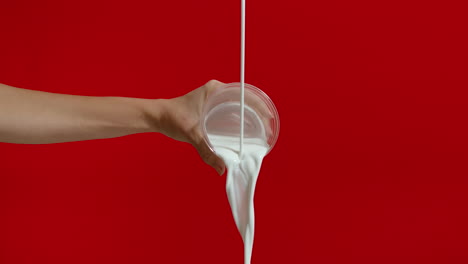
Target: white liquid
x=241, y=180
x=243, y=158
x=242, y=78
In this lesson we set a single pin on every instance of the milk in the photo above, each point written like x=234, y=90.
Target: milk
x=241, y=179
x=242, y=78
x=243, y=158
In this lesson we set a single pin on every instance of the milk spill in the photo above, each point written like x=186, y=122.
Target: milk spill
x=241, y=180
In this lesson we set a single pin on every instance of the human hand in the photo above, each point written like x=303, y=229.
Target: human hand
x=179, y=118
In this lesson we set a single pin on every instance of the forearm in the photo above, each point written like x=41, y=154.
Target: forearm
x=33, y=117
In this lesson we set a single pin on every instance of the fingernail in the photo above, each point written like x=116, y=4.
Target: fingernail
x=220, y=170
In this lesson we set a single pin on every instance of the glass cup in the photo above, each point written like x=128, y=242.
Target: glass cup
x=221, y=114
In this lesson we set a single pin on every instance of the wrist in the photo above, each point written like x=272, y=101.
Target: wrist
x=154, y=111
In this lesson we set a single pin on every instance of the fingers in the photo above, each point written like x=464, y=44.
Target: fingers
x=209, y=157
x=193, y=103
x=196, y=98
x=212, y=85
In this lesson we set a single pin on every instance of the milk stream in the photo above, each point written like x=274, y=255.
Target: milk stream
x=241, y=179
x=242, y=78
x=243, y=158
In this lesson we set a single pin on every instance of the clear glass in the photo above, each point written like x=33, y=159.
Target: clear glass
x=221, y=114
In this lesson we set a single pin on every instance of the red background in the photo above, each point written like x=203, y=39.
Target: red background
x=370, y=166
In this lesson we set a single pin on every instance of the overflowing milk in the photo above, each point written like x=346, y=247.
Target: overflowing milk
x=242, y=174
x=241, y=180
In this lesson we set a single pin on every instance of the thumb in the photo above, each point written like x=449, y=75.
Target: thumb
x=209, y=157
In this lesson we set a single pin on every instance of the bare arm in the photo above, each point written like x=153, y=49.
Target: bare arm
x=33, y=117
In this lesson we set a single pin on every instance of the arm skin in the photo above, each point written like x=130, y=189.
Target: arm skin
x=34, y=117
